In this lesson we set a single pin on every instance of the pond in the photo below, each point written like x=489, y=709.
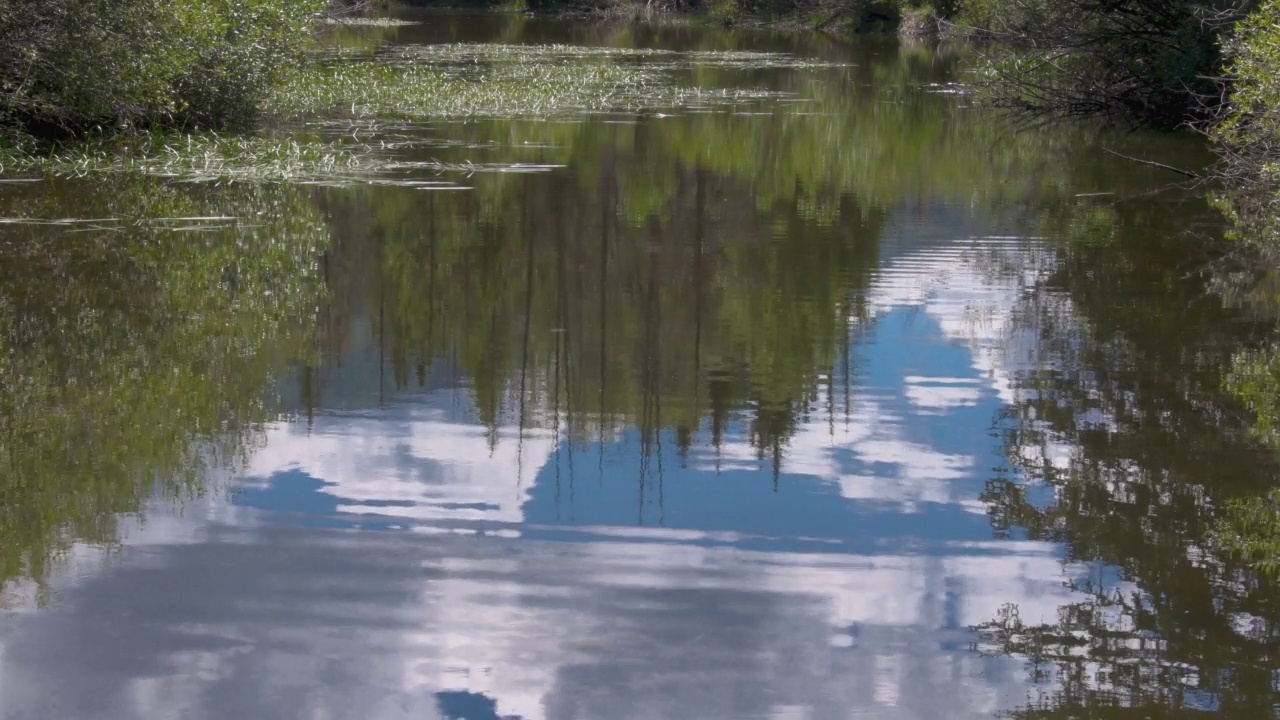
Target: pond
x=735, y=375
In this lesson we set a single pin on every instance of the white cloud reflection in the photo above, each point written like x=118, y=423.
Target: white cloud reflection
x=232, y=613
x=429, y=467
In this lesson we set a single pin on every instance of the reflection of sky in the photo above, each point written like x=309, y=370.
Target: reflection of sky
x=848, y=481
x=403, y=562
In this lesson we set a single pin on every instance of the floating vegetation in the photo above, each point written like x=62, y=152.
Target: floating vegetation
x=471, y=168
x=202, y=157
x=744, y=60
x=386, y=90
x=472, y=53
x=350, y=99
x=172, y=224
x=214, y=158
x=471, y=80
x=369, y=22
x=950, y=88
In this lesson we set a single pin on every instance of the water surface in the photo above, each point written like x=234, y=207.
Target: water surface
x=816, y=393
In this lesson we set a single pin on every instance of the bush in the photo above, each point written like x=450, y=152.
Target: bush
x=1142, y=62
x=1248, y=138
x=69, y=66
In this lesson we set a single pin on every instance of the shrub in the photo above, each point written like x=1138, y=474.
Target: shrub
x=1248, y=138
x=68, y=66
x=1142, y=62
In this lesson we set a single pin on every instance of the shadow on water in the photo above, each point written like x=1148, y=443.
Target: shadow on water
x=822, y=381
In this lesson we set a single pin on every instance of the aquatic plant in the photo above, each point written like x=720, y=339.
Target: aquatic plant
x=465, y=80
x=204, y=156
x=326, y=114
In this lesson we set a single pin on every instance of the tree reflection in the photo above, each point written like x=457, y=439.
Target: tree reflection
x=694, y=275
x=568, y=311
x=135, y=347
x=1124, y=424
x=692, y=279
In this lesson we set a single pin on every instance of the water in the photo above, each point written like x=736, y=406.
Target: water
x=831, y=397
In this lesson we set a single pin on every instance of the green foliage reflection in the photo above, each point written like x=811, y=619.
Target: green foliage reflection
x=683, y=272
x=1124, y=426
x=135, y=346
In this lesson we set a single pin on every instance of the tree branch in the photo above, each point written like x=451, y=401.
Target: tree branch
x=1153, y=163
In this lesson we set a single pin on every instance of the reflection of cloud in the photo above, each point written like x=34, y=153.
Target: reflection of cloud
x=868, y=450
x=422, y=466
x=914, y=461
x=230, y=614
x=892, y=468
x=334, y=624
x=937, y=393
x=971, y=289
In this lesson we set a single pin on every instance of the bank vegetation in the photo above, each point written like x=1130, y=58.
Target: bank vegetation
x=73, y=67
